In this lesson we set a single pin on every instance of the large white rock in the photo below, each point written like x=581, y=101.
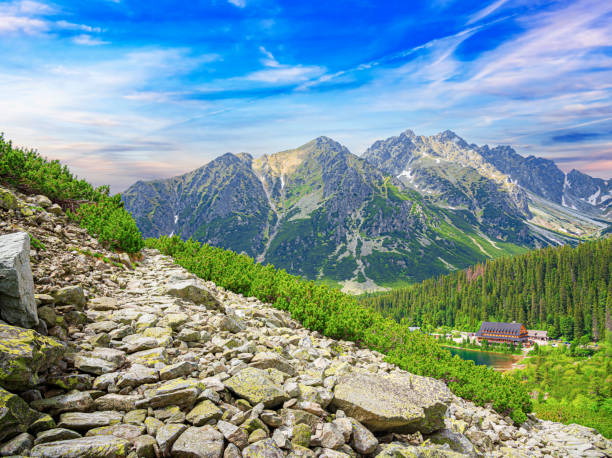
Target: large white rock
x=397, y=402
x=17, y=305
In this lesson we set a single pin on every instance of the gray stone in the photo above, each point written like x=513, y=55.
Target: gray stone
x=192, y=290
x=17, y=445
x=397, y=402
x=146, y=447
x=331, y=436
x=177, y=370
x=265, y=448
x=233, y=434
x=112, y=401
x=166, y=436
x=90, y=447
x=363, y=441
x=96, y=366
x=457, y=442
x=17, y=304
x=80, y=421
x=137, y=375
x=55, y=434
x=203, y=412
x=256, y=386
x=74, y=401
x=127, y=432
x=205, y=442
x=269, y=359
x=70, y=295
x=103, y=304
x=231, y=451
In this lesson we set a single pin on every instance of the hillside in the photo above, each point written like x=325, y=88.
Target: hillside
x=410, y=208
x=565, y=290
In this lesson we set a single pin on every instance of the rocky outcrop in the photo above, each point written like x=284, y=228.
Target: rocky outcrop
x=17, y=304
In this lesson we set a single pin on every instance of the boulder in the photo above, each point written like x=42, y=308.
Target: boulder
x=24, y=353
x=255, y=386
x=17, y=304
x=166, y=435
x=266, y=447
x=17, y=445
x=402, y=403
x=205, y=442
x=74, y=401
x=90, y=447
x=457, y=442
x=79, y=421
x=70, y=295
x=54, y=435
x=272, y=360
x=203, y=412
x=8, y=201
x=192, y=290
x=15, y=415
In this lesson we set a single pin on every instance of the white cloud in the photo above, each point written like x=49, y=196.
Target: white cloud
x=238, y=3
x=483, y=13
x=72, y=26
x=88, y=40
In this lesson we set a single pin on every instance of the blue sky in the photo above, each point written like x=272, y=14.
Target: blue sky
x=123, y=90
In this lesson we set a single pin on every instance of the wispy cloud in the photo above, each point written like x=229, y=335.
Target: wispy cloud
x=88, y=40
x=238, y=3
x=487, y=11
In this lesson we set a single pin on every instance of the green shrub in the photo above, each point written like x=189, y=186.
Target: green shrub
x=110, y=223
x=102, y=215
x=337, y=315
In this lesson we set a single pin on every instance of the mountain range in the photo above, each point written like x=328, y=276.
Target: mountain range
x=409, y=208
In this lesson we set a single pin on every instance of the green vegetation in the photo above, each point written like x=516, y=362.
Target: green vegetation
x=564, y=290
x=337, y=315
x=572, y=384
x=102, y=215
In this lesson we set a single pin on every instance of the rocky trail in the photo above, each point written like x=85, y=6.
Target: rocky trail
x=143, y=359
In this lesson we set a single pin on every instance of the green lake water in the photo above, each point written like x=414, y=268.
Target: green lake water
x=495, y=360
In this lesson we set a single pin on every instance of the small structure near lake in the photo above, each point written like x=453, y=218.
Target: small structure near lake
x=507, y=333
x=538, y=336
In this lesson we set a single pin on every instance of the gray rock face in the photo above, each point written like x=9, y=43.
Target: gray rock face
x=402, y=403
x=90, y=447
x=17, y=305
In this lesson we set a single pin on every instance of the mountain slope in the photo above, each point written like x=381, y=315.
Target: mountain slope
x=512, y=190
x=412, y=207
x=325, y=213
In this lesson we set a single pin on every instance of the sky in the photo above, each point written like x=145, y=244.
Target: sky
x=124, y=90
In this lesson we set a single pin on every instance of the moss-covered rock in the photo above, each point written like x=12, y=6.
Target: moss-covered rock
x=15, y=415
x=24, y=353
x=8, y=201
x=255, y=386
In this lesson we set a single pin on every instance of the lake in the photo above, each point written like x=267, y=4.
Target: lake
x=494, y=360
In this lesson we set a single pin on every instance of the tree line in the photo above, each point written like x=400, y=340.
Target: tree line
x=564, y=290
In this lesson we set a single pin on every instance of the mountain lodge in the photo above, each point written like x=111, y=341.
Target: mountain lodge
x=508, y=333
